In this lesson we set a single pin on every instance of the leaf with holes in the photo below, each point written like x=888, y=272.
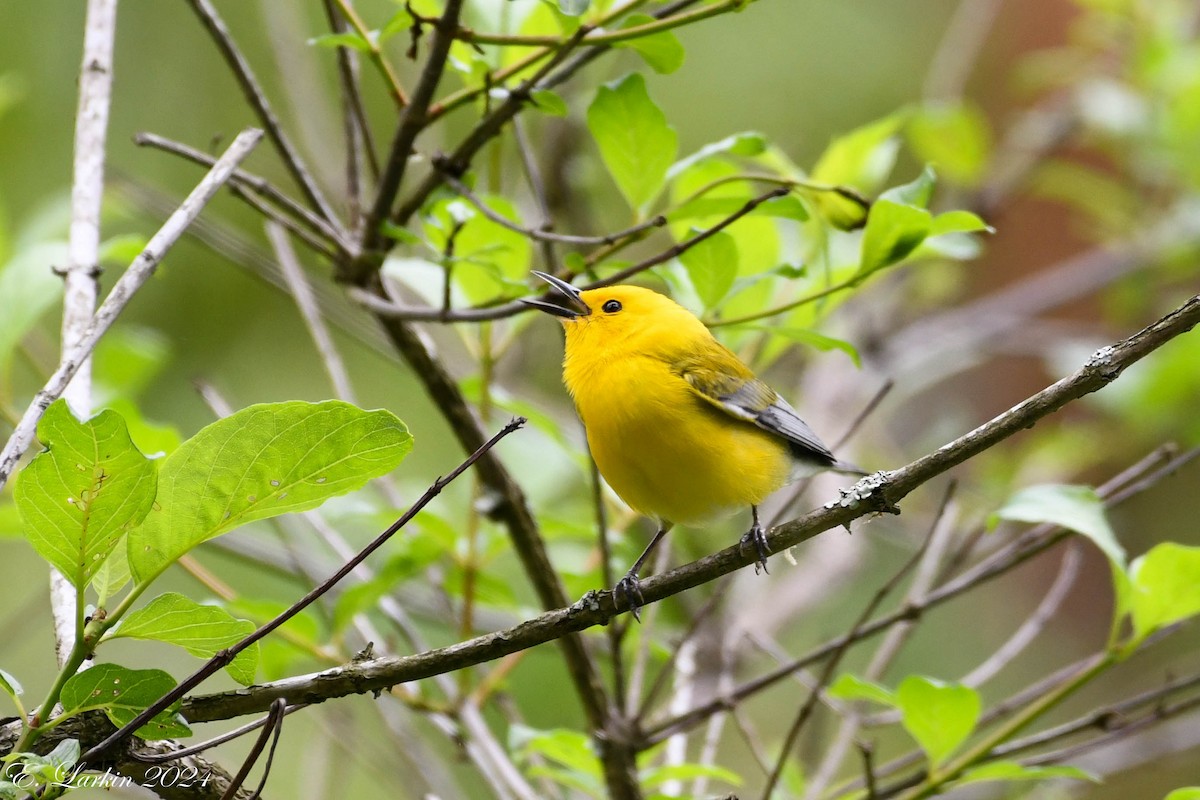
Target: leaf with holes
x=79, y=496
x=263, y=461
x=122, y=694
x=201, y=630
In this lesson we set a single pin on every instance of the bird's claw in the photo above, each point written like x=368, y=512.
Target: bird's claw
x=629, y=590
x=758, y=538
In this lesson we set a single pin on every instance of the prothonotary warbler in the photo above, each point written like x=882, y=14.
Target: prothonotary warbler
x=680, y=428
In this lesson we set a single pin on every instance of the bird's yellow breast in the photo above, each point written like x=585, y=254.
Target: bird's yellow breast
x=663, y=449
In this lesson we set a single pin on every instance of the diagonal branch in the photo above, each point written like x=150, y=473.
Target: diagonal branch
x=122, y=292
x=598, y=608
x=257, y=99
x=413, y=120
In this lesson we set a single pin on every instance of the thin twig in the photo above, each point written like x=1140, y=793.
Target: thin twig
x=384, y=308
x=257, y=99
x=545, y=235
x=306, y=302
x=374, y=54
x=835, y=658
x=1036, y=541
x=122, y=292
x=273, y=724
x=413, y=120
x=1068, y=571
x=251, y=182
x=537, y=187
x=225, y=656
x=935, y=545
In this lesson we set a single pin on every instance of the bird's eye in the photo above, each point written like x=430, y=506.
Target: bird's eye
x=612, y=306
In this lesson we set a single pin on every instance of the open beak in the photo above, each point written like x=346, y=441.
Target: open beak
x=574, y=307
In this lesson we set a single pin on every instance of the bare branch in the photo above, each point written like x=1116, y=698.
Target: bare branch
x=306, y=302
x=251, y=182
x=225, y=656
x=257, y=99
x=122, y=292
x=597, y=608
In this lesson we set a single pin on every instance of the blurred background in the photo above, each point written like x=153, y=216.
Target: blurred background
x=1073, y=128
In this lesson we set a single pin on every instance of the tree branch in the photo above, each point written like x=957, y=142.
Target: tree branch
x=122, y=292
x=598, y=608
x=257, y=99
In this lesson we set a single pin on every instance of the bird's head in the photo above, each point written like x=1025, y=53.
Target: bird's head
x=613, y=318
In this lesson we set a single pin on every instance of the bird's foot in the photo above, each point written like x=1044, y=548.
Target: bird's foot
x=758, y=538
x=629, y=590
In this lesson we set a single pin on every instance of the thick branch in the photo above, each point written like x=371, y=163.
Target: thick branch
x=597, y=608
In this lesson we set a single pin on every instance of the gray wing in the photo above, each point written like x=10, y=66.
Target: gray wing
x=752, y=400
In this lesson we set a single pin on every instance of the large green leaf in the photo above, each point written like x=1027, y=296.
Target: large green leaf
x=79, y=496
x=122, y=694
x=940, y=716
x=636, y=143
x=201, y=630
x=1077, y=508
x=712, y=266
x=263, y=461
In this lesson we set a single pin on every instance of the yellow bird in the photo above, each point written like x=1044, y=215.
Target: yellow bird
x=680, y=428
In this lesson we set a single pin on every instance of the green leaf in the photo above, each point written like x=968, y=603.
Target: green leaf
x=1187, y=793
x=661, y=51
x=112, y=575
x=573, y=8
x=567, y=747
x=122, y=694
x=28, y=287
x=893, y=231
x=814, y=339
x=548, y=102
x=1076, y=508
x=260, y=462
x=415, y=553
x=843, y=208
x=10, y=684
x=78, y=497
x=489, y=259
x=400, y=21
x=636, y=143
x=940, y=716
x=863, y=157
x=958, y=222
x=346, y=39
x=746, y=143
x=852, y=687
x=1165, y=587
x=1015, y=771
x=712, y=265
x=201, y=630
x=126, y=361
x=955, y=138
x=917, y=193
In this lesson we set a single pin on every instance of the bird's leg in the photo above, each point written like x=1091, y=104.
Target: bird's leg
x=758, y=538
x=629, y=588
